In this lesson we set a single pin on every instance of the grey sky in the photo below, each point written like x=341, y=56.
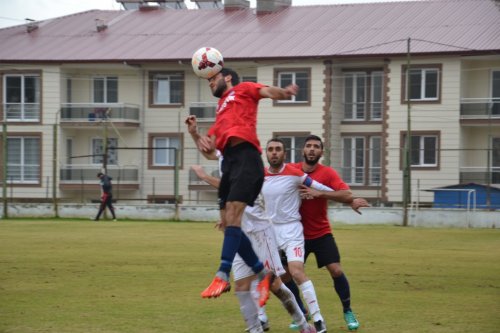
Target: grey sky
x=13, y=12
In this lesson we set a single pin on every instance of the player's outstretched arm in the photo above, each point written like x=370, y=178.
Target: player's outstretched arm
x=278, y=93
x=358, y=203
x=201, y=173
x=343, y=196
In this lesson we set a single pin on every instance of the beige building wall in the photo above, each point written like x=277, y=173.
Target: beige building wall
x=290, y=118
x=442, y=118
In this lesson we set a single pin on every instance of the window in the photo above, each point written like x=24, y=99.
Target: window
x=353, y=162
x=105, y=89
x=375, y=160
x=356, y=154
x=495, y=92
x=162, y=154
x=377, y=95
x=424, y=149
x=98, y=151
x=21, y=94
x=300, y=77
x=294, y=145
x=495, y=160
x=363, y=95
x=354, y=96
x=23, y=160
x=166, y=89
x=424, y=84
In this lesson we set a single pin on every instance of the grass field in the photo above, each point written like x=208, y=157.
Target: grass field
x=119, y=277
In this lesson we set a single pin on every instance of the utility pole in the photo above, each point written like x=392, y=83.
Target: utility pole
x=54, y=172
x=4, y=173
x=407, y=147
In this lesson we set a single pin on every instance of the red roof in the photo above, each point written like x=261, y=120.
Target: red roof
x=439, y=26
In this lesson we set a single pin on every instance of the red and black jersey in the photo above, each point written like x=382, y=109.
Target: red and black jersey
x=236, y=115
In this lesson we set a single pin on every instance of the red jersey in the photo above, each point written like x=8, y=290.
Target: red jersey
x=314, y=212
x=236, y=115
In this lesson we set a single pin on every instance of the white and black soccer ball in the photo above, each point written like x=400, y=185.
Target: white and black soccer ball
x=207, y=62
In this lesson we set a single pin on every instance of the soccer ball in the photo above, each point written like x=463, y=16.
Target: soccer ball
x=207, y=62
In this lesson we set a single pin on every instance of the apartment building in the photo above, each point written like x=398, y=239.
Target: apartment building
x=111, y=89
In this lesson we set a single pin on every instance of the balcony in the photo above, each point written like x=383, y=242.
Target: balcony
x=78, y=176
x=21, y=112
x=480, y=175
x=479, y=110
x=91, y=114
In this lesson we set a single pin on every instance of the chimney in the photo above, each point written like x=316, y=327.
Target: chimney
x=155, y=4
x=31, y=25
x=236, y=4
x=100, y=25
x=269, y=6
x=130, y=4
x=208, y=4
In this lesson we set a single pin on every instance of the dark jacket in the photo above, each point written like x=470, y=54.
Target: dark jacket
x=106, y=184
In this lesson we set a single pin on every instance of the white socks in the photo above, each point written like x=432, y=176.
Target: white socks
x=250, y=311
x=309, y=294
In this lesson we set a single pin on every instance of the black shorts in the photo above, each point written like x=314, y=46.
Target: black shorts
x=324, y=248
x=242, y=174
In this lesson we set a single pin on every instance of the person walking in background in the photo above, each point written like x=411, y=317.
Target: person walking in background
x=234, y=134
x=106, y=196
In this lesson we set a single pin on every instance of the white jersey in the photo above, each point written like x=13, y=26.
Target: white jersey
x=255, y=218
x=281, y=193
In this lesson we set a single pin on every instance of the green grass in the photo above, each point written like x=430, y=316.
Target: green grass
x=119, y=277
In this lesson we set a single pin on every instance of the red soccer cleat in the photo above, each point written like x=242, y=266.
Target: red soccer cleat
x=263, y=288
x=216, y=288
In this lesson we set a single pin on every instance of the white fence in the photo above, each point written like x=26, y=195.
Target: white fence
x=374, y=215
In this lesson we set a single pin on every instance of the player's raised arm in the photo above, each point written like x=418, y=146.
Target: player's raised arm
x=203, y=143
x=278, y=93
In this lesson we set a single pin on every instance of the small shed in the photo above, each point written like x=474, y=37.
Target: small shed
x=465, y=195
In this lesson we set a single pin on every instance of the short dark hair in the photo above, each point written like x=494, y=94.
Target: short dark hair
x=276, y=140
x=315, y=138
x=235, y=78
x=100, y=174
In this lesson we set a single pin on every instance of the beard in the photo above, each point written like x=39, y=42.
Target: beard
x=311, y=160
x=219, y=90
x=275, y=164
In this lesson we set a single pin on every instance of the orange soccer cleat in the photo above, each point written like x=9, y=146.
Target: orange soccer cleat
x=216, y=288
x=263, y=288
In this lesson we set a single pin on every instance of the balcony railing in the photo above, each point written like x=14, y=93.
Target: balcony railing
x=480, y=108
x=357, y=111
x=480, y=175
x=85, y=112
x=73, y=173
x=25, y=112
